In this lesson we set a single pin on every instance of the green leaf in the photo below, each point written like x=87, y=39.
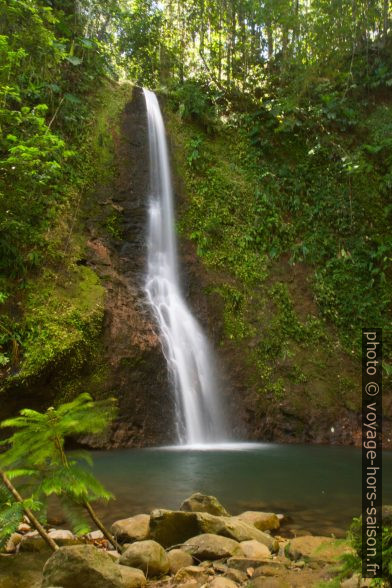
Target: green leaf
x=73, y=59
x=55, y=88
x=72, y=98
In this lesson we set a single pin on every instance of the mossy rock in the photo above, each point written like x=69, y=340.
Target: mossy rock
x=203, y=503
x=210, y=547
x=148, y=556
x=169, y=527
x=87, y=566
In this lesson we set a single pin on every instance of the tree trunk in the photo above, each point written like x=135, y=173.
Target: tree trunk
x=385, y=21
x=270, y=41
x=34, y=521
x=295, y=26
x=102, y=528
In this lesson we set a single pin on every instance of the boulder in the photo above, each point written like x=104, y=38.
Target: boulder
x=219, y=566
x=192, y=575
x=264, y=521
x=202, y=503
x=255, y=550
x=211, y=547
x=135, y=528
x=235, y=529
x=237, y=576
x=171, y=527
x=13, y=542
x=221, y=582
x=322, y=549
x=32, y=541
x=132, y=577
x=87, y=566
x=148, y=556
x=23, y=570
x=179, y=559
x=115, y=555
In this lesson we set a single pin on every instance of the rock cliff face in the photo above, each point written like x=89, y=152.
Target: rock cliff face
x=136, y=368
x=137, y=372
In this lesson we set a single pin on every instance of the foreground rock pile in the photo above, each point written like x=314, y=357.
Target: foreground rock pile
x=198, y=545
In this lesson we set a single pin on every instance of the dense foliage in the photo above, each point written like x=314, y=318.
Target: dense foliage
x=54, y=61
x=237, y=45
x=49, y=64
x=308, y=87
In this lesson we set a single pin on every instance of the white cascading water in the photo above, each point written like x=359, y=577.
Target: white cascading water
x=188, y=353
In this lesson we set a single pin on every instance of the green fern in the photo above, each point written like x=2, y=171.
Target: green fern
x=12, y=512
x=40, y=436
x=36, y=451
x=352, y=562
x=11, y=515
x=75, y=516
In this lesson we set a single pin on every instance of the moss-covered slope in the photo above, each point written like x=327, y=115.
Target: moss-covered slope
x=285, y=284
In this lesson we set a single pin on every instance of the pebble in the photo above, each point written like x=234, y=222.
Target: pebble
x=24, y=528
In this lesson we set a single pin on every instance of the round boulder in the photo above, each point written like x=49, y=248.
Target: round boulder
x=132, y=577
x=179, y=559
x=87, y=566
x=211, y=547
x=148, y=556
x=255, y=550
x=135, y=528
x=264, y=521
x=312, y=548
x=191, y=575
x=203, y=503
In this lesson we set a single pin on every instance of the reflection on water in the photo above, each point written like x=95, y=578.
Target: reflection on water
x=318, y=487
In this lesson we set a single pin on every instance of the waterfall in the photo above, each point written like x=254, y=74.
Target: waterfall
x=188, y=353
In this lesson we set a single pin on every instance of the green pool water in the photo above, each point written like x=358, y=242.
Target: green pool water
x=317, y=487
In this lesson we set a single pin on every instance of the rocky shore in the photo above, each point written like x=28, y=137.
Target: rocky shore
x=199, y=545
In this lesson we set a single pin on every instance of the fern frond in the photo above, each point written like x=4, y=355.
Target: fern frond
x=12, y=474
x=88, y=484
x=5, y=494
x=11, y=515
x=75, y=516
x=35, y=451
